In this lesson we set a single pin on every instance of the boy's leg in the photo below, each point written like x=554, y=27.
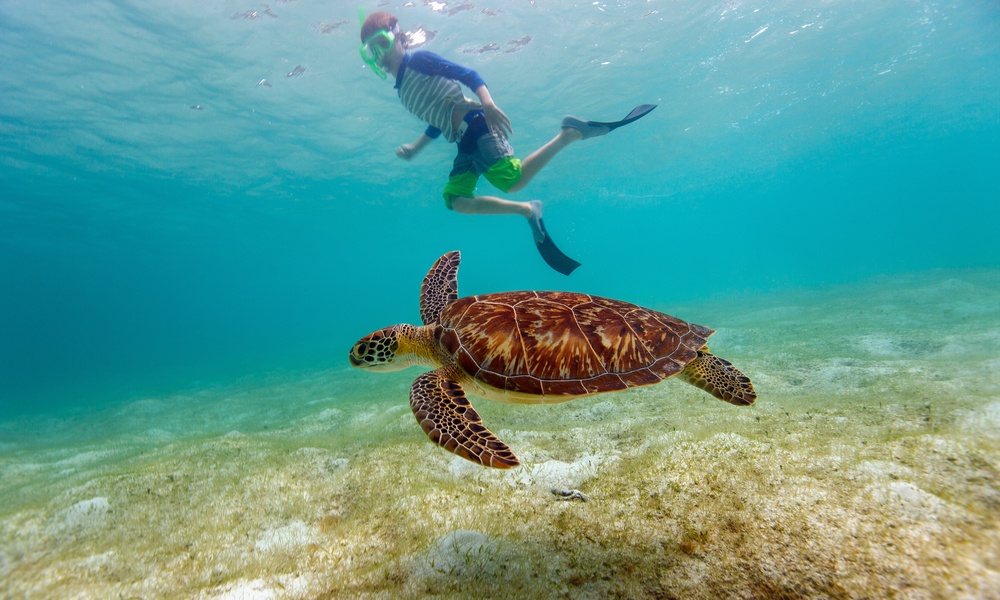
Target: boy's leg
x=489, y=205
x=460, y=194
x=541, y=157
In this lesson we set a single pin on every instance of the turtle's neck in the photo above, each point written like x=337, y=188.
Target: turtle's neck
x=419, y=345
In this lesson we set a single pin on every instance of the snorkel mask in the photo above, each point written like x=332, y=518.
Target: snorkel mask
x=377, y=46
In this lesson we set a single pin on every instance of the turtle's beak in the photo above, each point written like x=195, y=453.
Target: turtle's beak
x=355, y=361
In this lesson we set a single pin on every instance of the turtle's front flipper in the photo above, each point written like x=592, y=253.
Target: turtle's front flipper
x=440, y=287
x=720, y=378
x=441, y=408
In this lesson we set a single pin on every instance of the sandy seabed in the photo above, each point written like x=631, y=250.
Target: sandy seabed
x=869, y=468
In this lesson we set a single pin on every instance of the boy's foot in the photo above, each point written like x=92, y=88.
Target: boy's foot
x=587, y=129
x=535, y=221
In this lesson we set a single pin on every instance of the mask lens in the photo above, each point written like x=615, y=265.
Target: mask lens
x=377, y=46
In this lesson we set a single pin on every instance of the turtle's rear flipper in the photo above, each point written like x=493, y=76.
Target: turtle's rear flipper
x=447, y=417
x=720, y=378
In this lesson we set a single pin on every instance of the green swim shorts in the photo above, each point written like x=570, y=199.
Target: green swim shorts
x=504, y=173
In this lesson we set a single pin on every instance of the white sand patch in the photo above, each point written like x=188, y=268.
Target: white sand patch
x=83, y=459
x=83, y=514
x=329, y=414
x=843, y=376
x=911, y=502
x=287, y=538
x=551, y=474
x=461, y=552
x=880, y=470
x=878, y=345
x=543, y=475
x=723, y=445
x=365, y=418
x=597, y=412
x=972, y=344
x=464, y=469
x=143, y=408
x=558, y=474
x=323, y=460
x=323, y=421
x=405, y=421
x=13, y=470
x=282, y=586
x=734, y=340
x=95, y=562
x=985, y=421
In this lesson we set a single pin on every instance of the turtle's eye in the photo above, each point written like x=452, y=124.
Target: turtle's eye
x=359, y=353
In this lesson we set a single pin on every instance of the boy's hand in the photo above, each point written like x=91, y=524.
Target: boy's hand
x=407, y=151
x=497, y=121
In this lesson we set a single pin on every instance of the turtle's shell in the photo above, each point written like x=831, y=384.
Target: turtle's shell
x=564, y=343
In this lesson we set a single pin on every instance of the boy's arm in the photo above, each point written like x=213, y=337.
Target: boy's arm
x=408, y=151
x=432, y=64
x=498, y=122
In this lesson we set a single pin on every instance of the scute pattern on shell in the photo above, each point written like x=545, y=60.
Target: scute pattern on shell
x=565, y=343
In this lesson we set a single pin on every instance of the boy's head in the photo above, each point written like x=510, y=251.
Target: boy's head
x=382, y=45
x=375, y=22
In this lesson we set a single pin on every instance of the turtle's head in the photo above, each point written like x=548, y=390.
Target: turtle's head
x=377, y=351
x=389, y=349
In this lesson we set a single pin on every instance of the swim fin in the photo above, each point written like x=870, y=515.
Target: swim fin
x=591, y=129
x=637, y=113
x=555, y=258
x=546, y=247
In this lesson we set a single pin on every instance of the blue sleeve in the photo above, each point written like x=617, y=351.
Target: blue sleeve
x=432, y=132
x=432, y=64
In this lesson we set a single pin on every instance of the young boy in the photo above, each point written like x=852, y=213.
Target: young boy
x=428, y=87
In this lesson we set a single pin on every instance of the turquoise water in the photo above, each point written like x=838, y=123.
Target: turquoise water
x=201, y=210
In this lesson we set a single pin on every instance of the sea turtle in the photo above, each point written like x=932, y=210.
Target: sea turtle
x=533, y=348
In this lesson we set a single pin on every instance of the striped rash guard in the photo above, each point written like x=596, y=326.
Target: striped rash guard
x=428, y=87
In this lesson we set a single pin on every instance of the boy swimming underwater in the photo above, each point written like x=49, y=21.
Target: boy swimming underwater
x=429, y=87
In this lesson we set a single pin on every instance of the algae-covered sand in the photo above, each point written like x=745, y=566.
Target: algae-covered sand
x=869, y=468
